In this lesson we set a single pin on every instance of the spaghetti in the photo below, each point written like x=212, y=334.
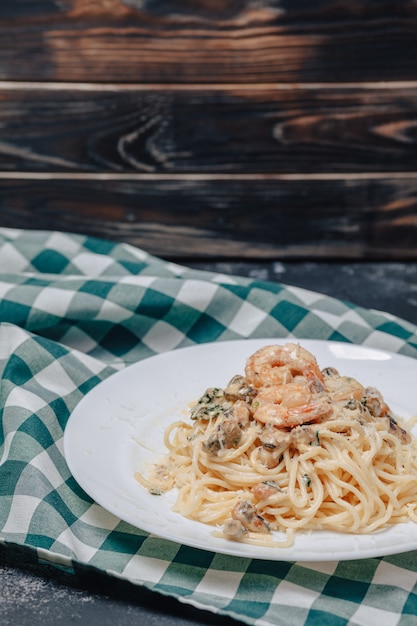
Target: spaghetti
x=289, y=447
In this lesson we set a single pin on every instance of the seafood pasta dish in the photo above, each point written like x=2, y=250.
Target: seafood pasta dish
x=287, y=446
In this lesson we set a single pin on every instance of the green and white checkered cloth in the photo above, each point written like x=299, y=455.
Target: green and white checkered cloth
x=73, y=310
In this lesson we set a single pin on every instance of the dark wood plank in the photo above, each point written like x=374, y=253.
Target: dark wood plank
x=206, y=42
x=229, y=130
x=259, y=217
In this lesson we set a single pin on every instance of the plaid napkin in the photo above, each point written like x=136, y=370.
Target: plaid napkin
x=73, y=310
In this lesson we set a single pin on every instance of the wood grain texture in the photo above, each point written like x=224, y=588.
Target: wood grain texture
x=220, y=218
x=237, y=129
x=235, y=41
x=223, y=130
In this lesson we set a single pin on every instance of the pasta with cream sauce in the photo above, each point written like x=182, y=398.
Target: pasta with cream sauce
x=289, y=447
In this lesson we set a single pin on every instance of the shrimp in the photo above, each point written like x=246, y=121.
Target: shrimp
x=265, y=490
x=290, y=405
x=277, y=365
x=342, y=388
x=240, y=413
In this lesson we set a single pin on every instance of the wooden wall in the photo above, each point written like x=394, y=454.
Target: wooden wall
x=269, y=129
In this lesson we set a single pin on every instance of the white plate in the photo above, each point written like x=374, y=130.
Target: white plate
x=117, y=430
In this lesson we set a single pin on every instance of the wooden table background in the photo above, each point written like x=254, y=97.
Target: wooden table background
x=274, y=129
